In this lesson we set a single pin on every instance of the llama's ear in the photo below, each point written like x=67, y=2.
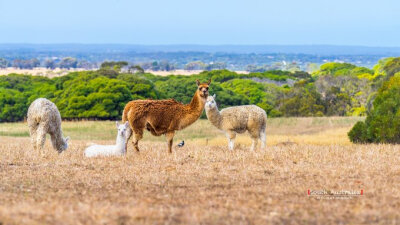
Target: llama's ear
x=197, y=82
x=214, y=96
x=66, y=139
x=126, y=124
x=117, y=123
x=209, y=81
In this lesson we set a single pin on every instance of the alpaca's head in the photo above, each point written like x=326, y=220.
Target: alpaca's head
x=64, y=144
x=210, y=103
x=122, y=128
x=202, y=89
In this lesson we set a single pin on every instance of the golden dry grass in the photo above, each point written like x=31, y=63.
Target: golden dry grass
x=201, y=184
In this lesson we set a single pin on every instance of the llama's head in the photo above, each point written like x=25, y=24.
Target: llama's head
x=122, y=128
x=202, y=89
x=64, y=145
x=210, y=103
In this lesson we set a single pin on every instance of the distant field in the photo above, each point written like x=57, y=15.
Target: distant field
x=203, y=182
x=40, y=71
x=61, y=72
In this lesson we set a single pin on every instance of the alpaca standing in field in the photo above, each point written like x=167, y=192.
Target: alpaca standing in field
x=164, y=116
x=238, y=119
x=44, y=118
x=118, y=149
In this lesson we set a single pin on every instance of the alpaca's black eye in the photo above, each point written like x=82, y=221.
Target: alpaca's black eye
x=207, y=88
x=200, y=89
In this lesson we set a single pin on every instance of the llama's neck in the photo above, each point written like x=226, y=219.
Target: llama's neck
x=214, y=117
x=120, y=144
x=193, y=112
x=197, y=104
x=57, y=140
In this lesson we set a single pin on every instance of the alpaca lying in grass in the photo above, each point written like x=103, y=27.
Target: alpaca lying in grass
x=164, y=116
x=118, y=149
x=44, y=118
x=238, y=119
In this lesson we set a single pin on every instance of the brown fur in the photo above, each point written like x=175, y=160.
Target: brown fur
x=164, y=116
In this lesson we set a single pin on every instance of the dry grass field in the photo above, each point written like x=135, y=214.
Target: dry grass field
x=203, y=182
x=39, y=71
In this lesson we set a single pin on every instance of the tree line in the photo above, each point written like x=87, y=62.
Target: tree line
x=335, y=89
x=64, y=63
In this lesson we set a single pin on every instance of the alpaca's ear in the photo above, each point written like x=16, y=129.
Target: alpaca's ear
x=117, y=123
x=66, y=139
x=214, y=96
x=209, y=81
x=197, y=82
x=126, y=124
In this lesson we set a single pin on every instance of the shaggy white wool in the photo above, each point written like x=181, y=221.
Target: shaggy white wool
x=44, y=118
x=118, y=149
x=238, y=119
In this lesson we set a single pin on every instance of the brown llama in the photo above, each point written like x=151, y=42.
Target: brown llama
x=164, y=116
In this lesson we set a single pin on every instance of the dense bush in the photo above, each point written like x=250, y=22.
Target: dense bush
x=358, y=134
x=96, y=95
x=336, y=89
x=382, y=124
x=344, y=69
x=77, y=95
x=302, y=100
x=18, y=91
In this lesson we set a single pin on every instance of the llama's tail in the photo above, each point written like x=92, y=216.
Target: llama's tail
x=263, y=132
x=125, y=114
x=265, y=119
x=130, y=130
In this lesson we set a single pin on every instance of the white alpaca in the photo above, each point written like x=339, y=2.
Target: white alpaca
x=44, y=118
x=238, y=119
x=118, y=149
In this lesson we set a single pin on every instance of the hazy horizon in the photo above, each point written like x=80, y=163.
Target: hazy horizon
x=194, y=44
x=253, y=22
x=235, y=49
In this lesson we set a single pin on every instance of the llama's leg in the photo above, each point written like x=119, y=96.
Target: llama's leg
x=40, y=140
x=263, y=137
x=138, y=136
x=53, y=141
x=128, y=136
x=231, y=135
x=254, y=141
x=33, y=126
x=170, y=140
x=137, y=127
x=255, y=135
x=33, y=134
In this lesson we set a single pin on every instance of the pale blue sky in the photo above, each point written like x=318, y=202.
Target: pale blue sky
x=285, y=22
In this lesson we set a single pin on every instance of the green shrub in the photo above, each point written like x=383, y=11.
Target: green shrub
x=302, y=100
x=383, y=121
x=358, y=134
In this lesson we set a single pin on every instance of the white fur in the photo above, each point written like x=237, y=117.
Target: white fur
x=238, y=119
x=44, y=118
x=118, y=149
